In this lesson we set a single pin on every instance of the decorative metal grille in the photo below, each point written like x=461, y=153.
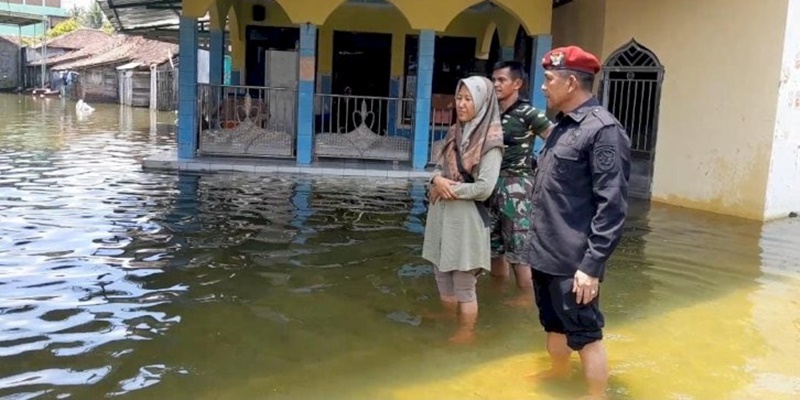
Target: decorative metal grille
x=361, y=127
x=246, y=120
x=631, y=90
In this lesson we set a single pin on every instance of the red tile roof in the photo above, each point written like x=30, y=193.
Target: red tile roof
x=129, y=49
x=12, y=39
x=76, y=39
x=95, y=47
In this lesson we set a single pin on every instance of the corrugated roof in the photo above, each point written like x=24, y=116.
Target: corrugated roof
x=11, y=17
x=127, y=15
x=158, y=19
x=131, y=49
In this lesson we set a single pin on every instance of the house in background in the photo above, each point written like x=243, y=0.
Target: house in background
x=50, y=12
x=79, y=43
x=125, y=71
x=10, y=62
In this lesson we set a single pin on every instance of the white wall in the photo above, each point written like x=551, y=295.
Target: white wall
x=783, y=188
x=718, y=102
x=202, y=66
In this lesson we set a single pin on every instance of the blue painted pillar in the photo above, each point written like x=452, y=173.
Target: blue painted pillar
x=541, y=45
x=216, y=56
x=507, y=53
x=422, y=114
x=302, y=210
x=414, y=222
x=305, y=94
x=187, y=89
x=394, y=92
x=182, y=217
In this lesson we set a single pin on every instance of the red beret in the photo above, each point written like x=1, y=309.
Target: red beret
x=571, y=57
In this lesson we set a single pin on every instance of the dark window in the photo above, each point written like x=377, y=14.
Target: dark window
x=454, y=59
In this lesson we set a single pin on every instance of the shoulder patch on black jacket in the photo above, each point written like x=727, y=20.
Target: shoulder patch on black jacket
x=605, y=117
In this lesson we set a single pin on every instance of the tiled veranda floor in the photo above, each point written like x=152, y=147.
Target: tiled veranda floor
x=168, y=160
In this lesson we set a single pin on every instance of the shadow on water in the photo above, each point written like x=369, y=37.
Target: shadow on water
x=118, y=282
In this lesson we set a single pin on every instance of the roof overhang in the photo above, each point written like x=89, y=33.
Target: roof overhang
x=130, y=65
x=160, y=19
x=20, y=19
x=154, y=19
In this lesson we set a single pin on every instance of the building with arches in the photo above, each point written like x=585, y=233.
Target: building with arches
x=352, y=79
x=707, y=90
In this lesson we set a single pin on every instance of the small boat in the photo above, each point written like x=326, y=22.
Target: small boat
x=46, y=92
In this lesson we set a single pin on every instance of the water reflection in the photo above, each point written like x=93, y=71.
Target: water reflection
x=71, y=201
x=122, y=283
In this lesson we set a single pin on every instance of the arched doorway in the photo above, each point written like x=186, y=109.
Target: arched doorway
x=631, y=90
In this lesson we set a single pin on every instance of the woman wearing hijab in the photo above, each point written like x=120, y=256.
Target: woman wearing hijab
x=457, y=230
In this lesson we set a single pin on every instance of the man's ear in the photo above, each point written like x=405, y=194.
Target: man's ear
x=518, y=83
x=573, y=82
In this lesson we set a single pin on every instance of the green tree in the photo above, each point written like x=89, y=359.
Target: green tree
x=75, y=11
x=93, y=17
x=108, y=28
x=63, y=27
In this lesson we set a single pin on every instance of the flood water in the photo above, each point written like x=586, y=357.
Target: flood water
x=121, y=283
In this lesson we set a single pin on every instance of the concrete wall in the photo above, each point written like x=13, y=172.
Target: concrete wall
x=718, y=104
x=783, y=187
x=718, y=101
x=9, y=64
x=580, y=22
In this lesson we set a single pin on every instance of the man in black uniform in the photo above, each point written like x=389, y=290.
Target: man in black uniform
x=580, y=205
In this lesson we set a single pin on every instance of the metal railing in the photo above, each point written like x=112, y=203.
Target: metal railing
x=363, y=127
x=247, y=120
x=441, y=120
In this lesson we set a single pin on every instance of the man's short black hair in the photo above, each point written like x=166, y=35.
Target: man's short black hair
x=585, y=79
x=515, y=68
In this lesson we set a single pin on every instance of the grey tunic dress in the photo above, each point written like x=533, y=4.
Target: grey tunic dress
x=455, y=237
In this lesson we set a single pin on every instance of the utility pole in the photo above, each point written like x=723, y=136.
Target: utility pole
x=43, y=54
x=21, y=63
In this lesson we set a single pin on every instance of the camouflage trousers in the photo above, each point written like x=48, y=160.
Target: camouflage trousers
x=512, y=210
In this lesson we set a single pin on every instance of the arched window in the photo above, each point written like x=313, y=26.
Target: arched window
x=631, y=90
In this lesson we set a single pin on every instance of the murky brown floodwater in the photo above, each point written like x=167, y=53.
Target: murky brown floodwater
x=116, y=282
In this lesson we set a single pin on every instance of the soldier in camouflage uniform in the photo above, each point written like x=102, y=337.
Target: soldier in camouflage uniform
x=511, y=202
